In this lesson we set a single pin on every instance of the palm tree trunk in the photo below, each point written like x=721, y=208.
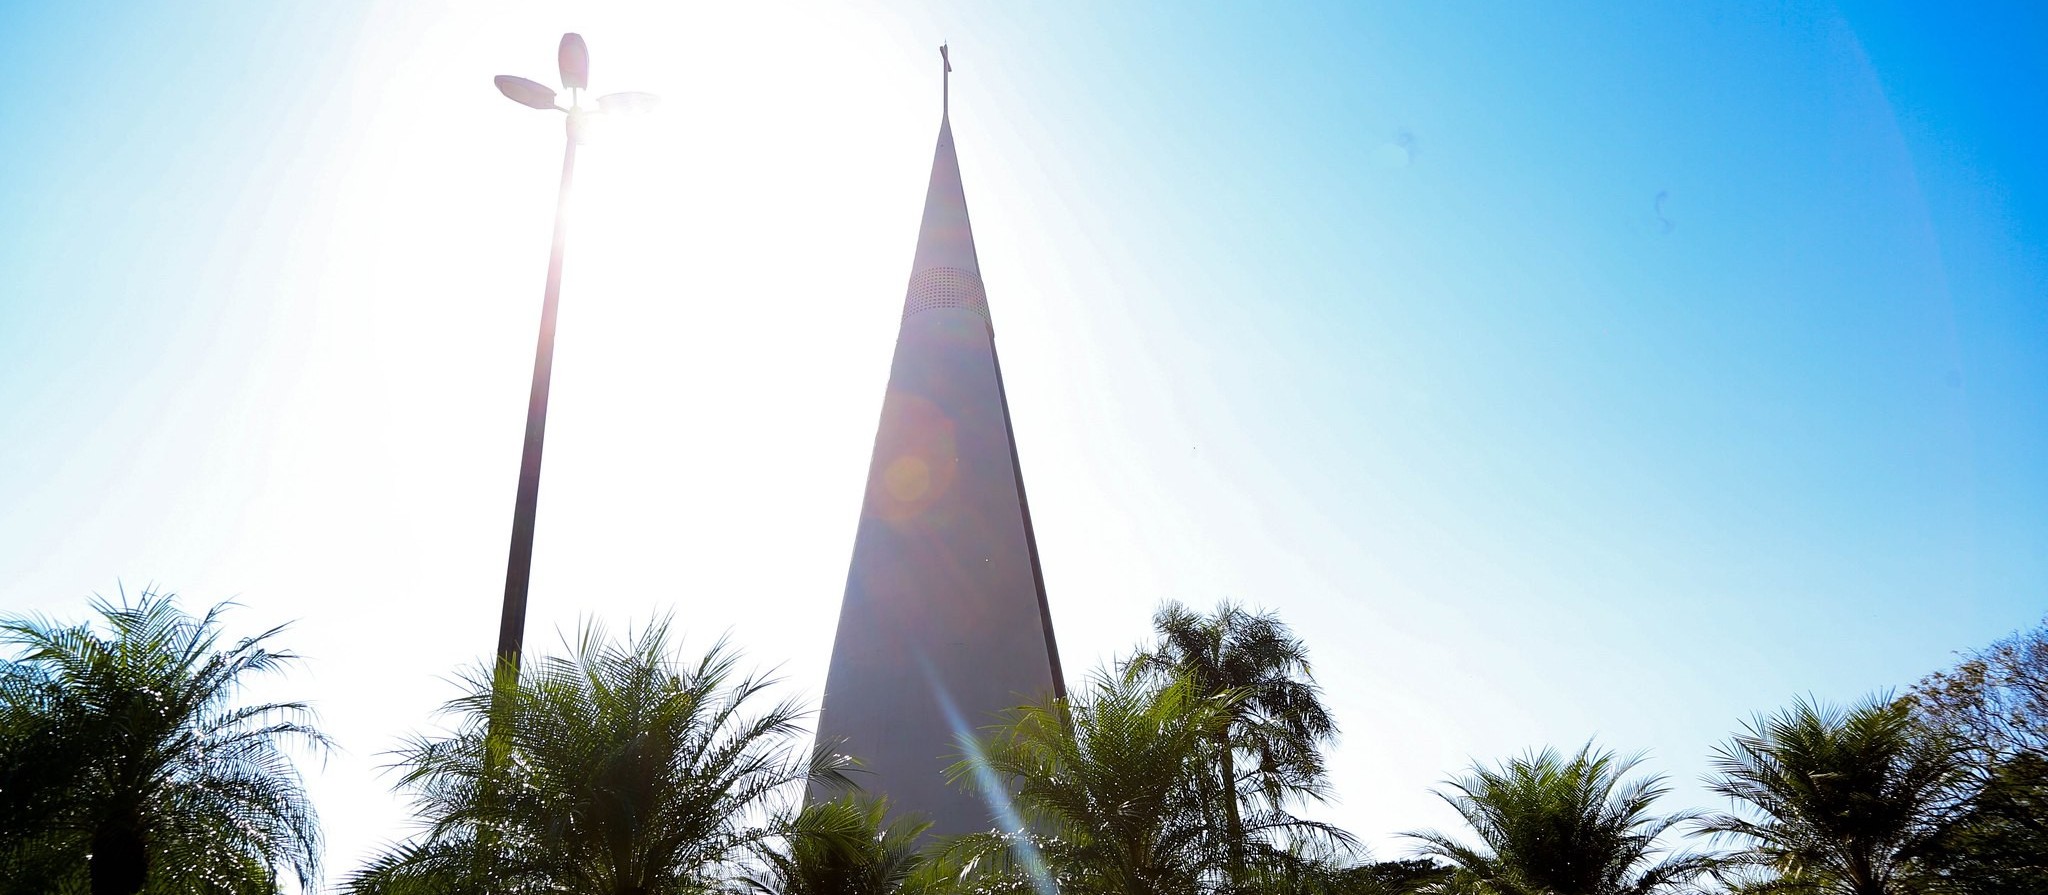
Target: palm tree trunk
x=120, y=858
x=1234, y=823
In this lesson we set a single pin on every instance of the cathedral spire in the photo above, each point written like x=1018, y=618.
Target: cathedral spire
x=945, y=241
x=944, y=623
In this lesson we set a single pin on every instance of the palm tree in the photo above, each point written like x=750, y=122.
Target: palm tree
x=615, y=770
x=141, y=768
x=1109, y=795
x=839, y=847
x=1276, y=721
x=1556, y=826
x=1839, y=802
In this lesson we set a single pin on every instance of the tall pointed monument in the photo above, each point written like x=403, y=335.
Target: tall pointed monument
x=944, y=623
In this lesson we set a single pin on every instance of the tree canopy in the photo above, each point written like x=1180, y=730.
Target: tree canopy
x=127, y=762
x=130, y=765
x=1555, y=825
x=616, y=769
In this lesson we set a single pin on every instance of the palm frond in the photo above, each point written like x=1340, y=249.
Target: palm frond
x=148, y=759
x=1548, y=823
x=613, y=767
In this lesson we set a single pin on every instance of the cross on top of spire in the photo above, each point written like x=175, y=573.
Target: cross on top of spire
x=946, y=83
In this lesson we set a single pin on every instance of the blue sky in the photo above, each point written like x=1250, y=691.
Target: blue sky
x=1559, y=371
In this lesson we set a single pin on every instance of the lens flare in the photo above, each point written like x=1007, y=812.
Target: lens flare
x=919, y=456
x=991, y=789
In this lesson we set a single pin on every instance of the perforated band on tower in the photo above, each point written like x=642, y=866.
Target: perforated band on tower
x=945, y=287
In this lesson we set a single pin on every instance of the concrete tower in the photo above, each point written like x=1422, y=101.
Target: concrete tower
x=944, y=622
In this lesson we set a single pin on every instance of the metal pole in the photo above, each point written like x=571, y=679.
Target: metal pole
x=512, y=625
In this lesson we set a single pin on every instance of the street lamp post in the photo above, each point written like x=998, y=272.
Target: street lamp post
x=574, y=59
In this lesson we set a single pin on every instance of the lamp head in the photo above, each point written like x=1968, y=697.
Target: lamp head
x=575, y=62
x=525, y=92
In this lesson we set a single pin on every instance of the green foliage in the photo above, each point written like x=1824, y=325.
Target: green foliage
x=2000, y=842
x=1322, y=871
x=1839, y=802
x=1996, y=700
x=1394, y=877
x=39, y=771
x=126, y=764
x=1551, y=825
x=615, y=770
x=1995, y=705
x=1112, y=795
x=839, y=847
x=128, y=767
x=1268, y=751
